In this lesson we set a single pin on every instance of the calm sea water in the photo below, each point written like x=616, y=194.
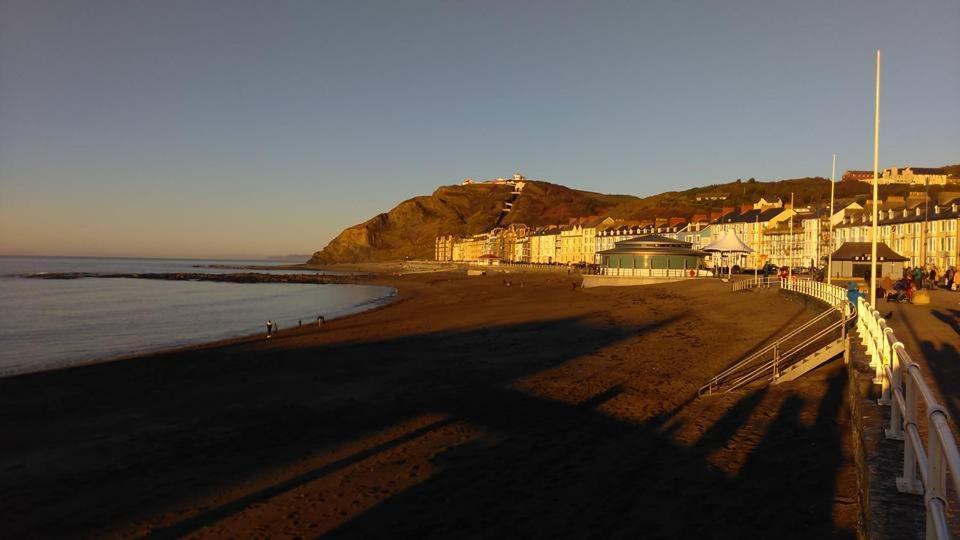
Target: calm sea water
x=53, y=323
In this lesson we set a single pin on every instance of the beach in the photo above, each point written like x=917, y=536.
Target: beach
x=465, y=408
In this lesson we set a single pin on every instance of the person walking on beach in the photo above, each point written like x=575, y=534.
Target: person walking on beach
x=269, y=328
x=300, y=323
x=320, y=321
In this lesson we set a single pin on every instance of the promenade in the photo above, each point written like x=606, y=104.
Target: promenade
x=931, y=333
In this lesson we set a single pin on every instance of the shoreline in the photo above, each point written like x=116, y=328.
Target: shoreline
x=241, y=277
x=230, y=338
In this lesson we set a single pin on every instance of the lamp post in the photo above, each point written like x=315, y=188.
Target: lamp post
x=876, y=154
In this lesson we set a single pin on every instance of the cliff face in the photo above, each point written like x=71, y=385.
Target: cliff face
x=410, y=228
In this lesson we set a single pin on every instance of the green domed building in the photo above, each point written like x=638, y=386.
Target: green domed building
x=650, y=252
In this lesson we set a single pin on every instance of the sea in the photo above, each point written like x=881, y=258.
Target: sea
x=47, y=324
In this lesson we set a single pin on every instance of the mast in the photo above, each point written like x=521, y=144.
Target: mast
x=756, y=254
x=876, y=157
x=831, y=246
x=790, y=239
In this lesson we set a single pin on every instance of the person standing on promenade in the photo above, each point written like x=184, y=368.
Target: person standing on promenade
x=269, y=328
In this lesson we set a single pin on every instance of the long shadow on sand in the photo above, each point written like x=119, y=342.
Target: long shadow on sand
x=126, y=441
x=563, y=472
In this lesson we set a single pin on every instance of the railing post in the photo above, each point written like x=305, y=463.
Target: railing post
x=886, y=395
x=895, y=431
x=936, y=487
x=876, y=362
x=909, y=483
x=862, y=320
x=776, y=360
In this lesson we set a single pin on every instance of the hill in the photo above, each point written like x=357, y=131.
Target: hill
x=410, y=228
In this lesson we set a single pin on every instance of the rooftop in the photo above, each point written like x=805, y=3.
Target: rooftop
x=860, y=251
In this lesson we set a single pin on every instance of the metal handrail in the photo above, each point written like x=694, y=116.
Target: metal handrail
x=717, y=379
x=785, y=360
x=925, y=468
x=831, y=294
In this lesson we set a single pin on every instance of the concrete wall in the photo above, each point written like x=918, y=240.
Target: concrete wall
x=621, y=281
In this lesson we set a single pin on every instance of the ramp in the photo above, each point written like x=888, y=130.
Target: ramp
x=790, y=356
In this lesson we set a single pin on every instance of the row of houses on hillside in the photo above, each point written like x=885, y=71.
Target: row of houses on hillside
x=925, y=231
x=933, y=176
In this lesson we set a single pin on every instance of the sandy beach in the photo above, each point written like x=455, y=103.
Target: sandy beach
x=465, y=408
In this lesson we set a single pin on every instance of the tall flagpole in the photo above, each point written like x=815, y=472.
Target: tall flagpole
x=790, y=243
x=876, y=157
x=830, y=246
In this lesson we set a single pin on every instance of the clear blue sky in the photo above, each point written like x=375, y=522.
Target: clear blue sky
x=253, y=128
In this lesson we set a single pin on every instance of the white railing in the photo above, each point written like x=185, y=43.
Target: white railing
x=830, y=294
x=749, y=283
x=924, y=468
x=655, y=272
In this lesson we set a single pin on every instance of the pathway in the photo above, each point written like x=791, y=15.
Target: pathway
x=931, y=335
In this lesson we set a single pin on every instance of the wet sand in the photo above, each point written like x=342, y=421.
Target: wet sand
x=464, y=409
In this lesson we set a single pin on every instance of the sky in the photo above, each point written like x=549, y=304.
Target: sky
x=247, y=129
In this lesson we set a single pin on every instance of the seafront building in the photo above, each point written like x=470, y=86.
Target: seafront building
x=544, y=246
x=924, y=231
x=932, y=176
